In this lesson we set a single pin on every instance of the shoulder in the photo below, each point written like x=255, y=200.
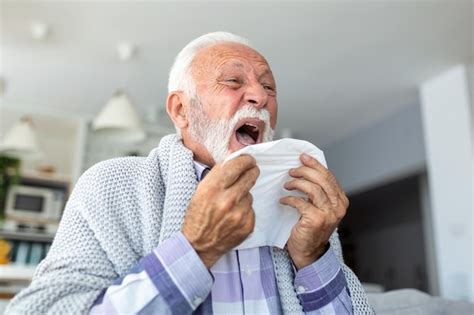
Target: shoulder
x=111, y=171
x=117, y=179
x=121, y=168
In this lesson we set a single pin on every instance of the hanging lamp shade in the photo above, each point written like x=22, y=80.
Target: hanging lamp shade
x=119, y=121
x=21, y=141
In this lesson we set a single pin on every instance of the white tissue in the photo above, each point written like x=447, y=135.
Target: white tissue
x=274, y=221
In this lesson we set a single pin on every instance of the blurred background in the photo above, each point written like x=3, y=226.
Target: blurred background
x=385, y=88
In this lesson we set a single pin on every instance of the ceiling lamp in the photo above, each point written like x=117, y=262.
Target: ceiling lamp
x=40, y=30
x=21, y=142
x=126, y=51
x=118, y=120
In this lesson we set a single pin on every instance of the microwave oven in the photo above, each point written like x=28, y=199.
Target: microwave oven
x=34, y=203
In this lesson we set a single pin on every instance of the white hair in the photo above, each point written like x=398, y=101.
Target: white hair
x=180, y=78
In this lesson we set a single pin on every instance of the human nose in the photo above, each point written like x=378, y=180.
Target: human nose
x=256, y=95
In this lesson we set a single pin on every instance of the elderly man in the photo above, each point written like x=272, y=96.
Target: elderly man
x=156, y=234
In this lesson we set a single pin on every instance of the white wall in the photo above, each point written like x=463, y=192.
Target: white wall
x=381, y=153
x=447, y=130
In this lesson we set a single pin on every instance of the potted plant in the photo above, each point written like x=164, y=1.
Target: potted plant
x=9, y=175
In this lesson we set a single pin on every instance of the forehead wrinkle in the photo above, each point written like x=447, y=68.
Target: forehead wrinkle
x=256, y=70
x=225, y=64
x=235, y=51
x=237, y=64
x=216, y=58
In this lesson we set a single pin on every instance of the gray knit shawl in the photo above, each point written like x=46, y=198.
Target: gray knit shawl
x=119, y=211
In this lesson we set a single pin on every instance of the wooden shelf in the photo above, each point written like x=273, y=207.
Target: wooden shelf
x=27, y=236
x=43, y=176
x=16, y=273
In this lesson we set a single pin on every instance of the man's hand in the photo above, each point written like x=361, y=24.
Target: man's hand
x=220, y=214
x=321, y=211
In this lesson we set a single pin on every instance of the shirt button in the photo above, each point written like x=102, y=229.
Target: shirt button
x=301, y=289
x=248, y=271
x=197, y=301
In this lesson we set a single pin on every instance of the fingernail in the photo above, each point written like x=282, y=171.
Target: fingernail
x=305, y=157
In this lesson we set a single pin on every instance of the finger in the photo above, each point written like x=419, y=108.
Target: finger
x=230, y=171
x=250, y=222
x=245, y=206
x=311, y=217
x=310, y=161
x=299, y=203
x=245, y=182
x=246, y=201
x=315, y=164
x=314, y=191
x=345, y=200
x=340, y=212
x=322, y=179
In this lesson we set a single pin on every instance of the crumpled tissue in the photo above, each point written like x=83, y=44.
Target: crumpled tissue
x=274, y=221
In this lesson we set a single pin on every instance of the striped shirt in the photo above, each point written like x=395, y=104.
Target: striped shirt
x=173, y=279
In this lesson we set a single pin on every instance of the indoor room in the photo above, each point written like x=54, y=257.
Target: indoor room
x=378, y=95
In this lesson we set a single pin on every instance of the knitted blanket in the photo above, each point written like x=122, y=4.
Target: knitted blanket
x=119, y=211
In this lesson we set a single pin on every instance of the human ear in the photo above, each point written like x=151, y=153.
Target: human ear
x=175, y=106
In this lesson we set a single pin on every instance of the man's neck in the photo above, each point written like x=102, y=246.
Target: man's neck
x=200, y=153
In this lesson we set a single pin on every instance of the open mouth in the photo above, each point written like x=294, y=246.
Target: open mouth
x=249, y=131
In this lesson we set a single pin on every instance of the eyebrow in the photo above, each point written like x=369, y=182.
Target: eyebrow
x=267, y=71
x=234, y=64
x=238, y=64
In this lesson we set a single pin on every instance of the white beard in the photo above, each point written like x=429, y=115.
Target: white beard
x=215, y=135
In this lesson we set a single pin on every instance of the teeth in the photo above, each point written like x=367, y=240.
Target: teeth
x=255, y=127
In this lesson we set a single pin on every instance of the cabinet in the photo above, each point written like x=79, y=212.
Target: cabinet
x=382, y=235
x=28, y=237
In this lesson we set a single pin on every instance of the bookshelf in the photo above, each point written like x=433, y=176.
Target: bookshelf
x=26, y=236
x=16, y=273
x=29, y=237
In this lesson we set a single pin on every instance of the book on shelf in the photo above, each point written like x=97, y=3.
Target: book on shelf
x=28, y=253
x=22, y=253
x=36, y=254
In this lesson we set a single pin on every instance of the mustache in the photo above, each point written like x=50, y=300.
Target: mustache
x=249, y=111
x=215, y=134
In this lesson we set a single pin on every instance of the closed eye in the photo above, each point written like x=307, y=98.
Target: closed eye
x=269, y=88
x=233, y=80
x=233, y=83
